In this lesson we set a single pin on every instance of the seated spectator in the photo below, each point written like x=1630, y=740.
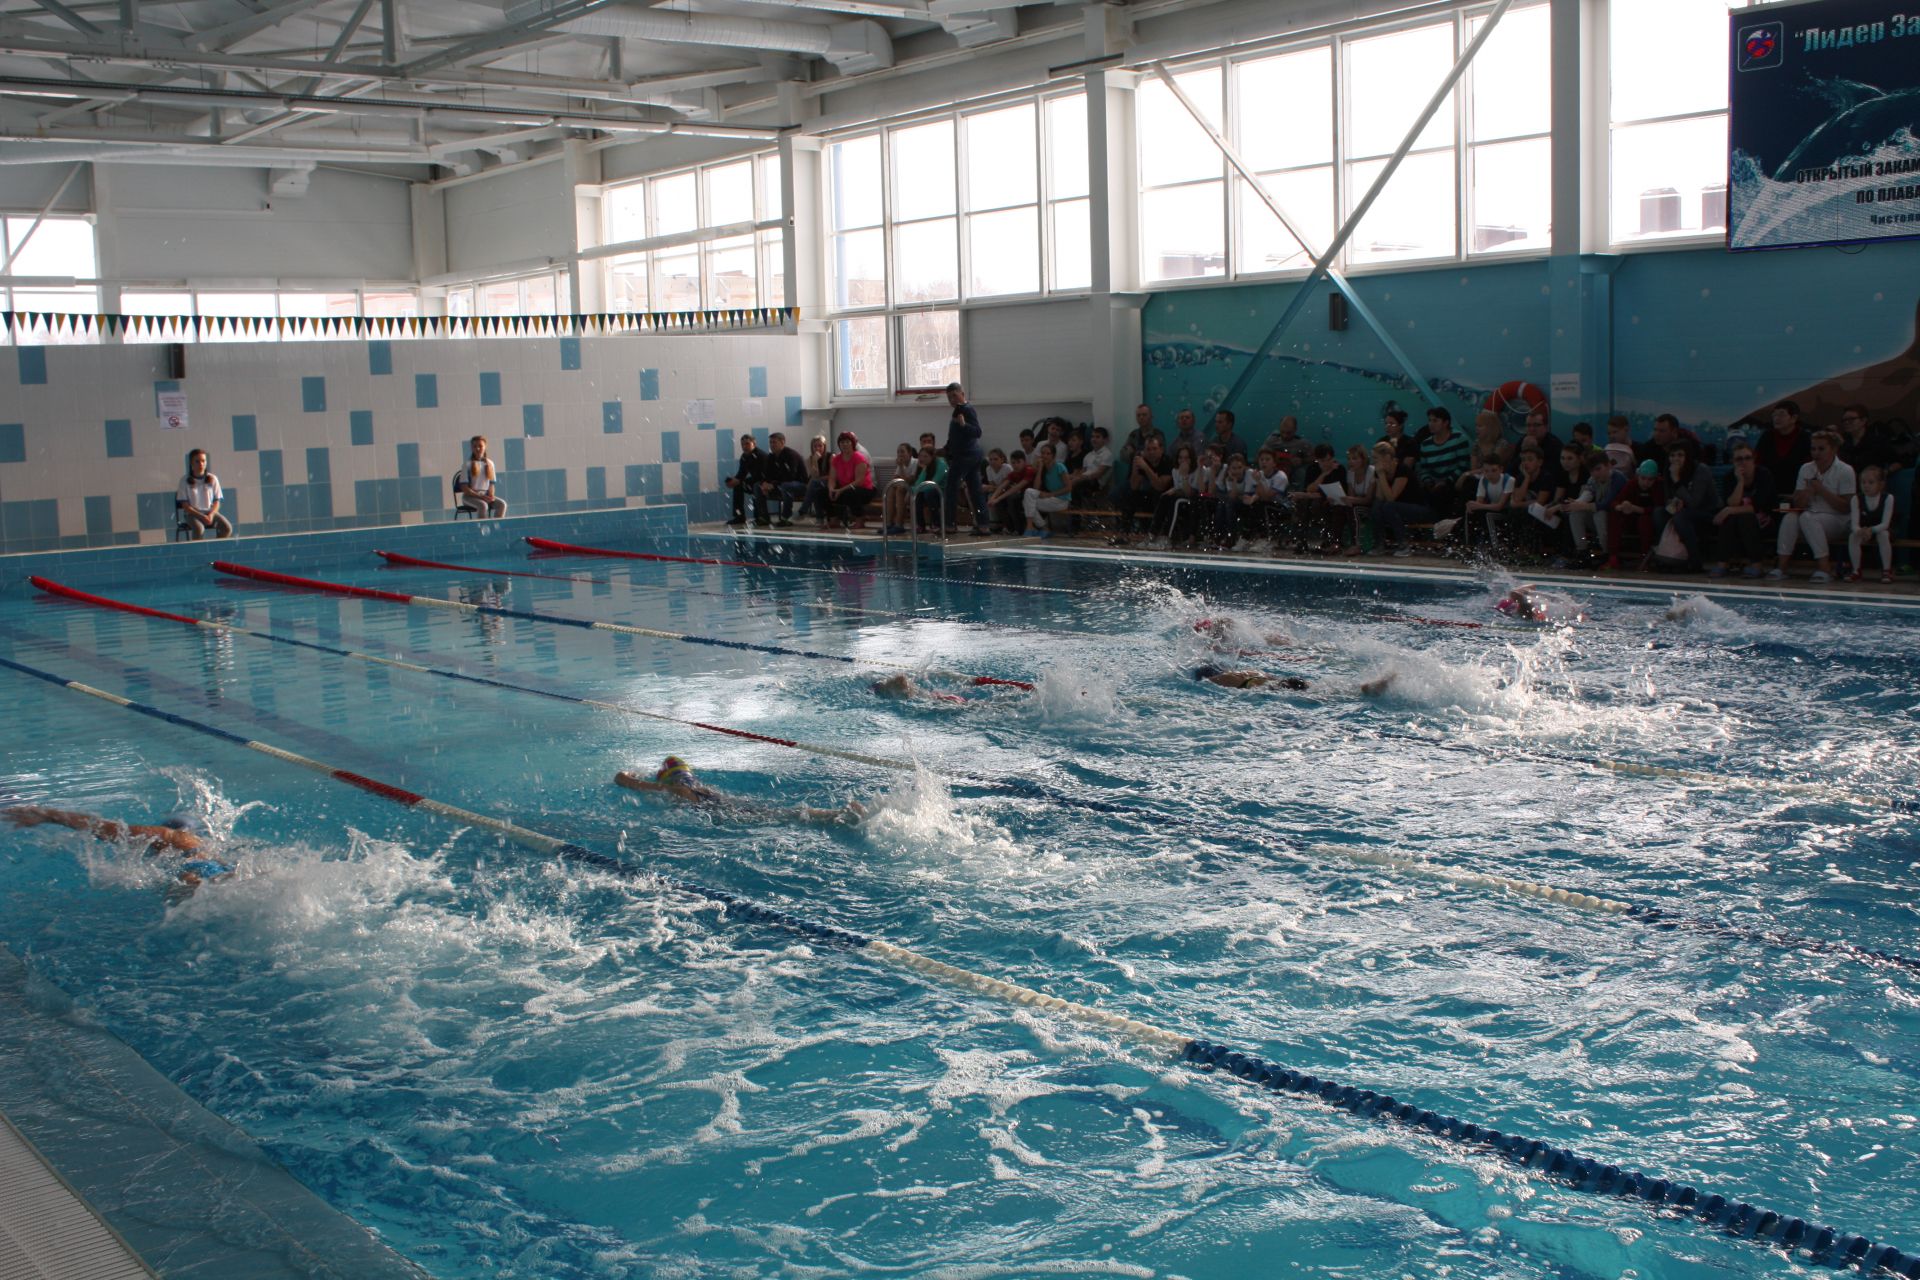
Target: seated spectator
x=1632, y=512
x=745, y=482
x=1693, y=499
x=1286, y=443
x=1047, y=494
x=1186, y=431
x=1312, y=499
x=1236, y=502
x=1740, y=526
x=896, y=503
x=1871, y=518
x=1345, y=511
x=1862, y=443
x=1492, y=489
x=1135, y=445
x=1088, y=483
x=1445, y=472
x=1028, y=441
x=1007, y=502
x=1150, y=478
x=996, y=470
x=1490, y=436
x=1821, y=507
x=1174, y=515
x=1394, y=432
x=197, y=500
x=1534, y=490
x=1581, y=437
x=1391, y=509
x=1276, y=502
x=1542, y=438
x=1224, y=437
x=1587, y=511
x=783, y=477
x=850, y=488
x=1667, y=432
x=1786, y=448
x=1077, y=449
x=819, y=475
x=929, y=504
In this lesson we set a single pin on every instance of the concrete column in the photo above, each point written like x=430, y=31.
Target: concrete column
x=106, y=237
x=429, y=243
x=803, y=250
x=1579, y=274
x=1113, y=308
x=586, y=280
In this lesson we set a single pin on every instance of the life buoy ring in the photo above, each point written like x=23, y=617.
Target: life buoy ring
x=1512, y=395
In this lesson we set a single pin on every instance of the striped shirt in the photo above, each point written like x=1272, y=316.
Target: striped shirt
x=1443, y=462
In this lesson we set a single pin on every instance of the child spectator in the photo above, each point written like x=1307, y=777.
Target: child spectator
x=1009, y=495
x=198, y=498
x=1150, y=477
x=1091, y=475
x=477, y=481
x=1390, y=510
x=997, y=468
x=1322, y=473
x=1588, y=510
x=1048, y=494
x=1871, y=517
x=1236, y=502
x=1492, y=488
x=1620, y=445
x=1822, y=502
x=1633, y=512
x=1173, y=515
x=1534, y=491
x=927, y=503
x=1740, y=526
x=897, y=501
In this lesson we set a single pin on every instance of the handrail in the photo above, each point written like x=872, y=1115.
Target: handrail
x=913, y=528
x=886, y=539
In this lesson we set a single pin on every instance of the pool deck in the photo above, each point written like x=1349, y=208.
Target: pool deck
x=1902, y=595
x=47, y=1232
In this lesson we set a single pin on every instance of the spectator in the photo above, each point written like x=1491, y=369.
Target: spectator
x=1620, y=445
x=1633, y=511
x=1822, y=505
x=1029, y=442
x=745, y=481
x=198, y=498
x=896, y=503
x=1393, y=481
x=1048, y=494
x=1173, y=515
x=1693, y=499
x=996, y=471
x=1534, y=490
x=1090, y=480
x=1394, y=432
x=1741, y=524
x=1224, y=438
x=927, y=510
x=1581, y=437
x=1187, y=432
x=1667, y=432
x=1135, y=445
x=819, y=476
x=1009, y=495
x=1150, y=478
x=1310, y=517
x=1871, y=518
x=1490, y=436
x=1491, y=490
x=1862, y=444
x=1275, y=502
x=1443, y=474
x=1542, y=438
x=1076, y=449
x=1588, y=510
x=964, y=460
x=1053, y=432
x=1287, y=444
x=850, y=486
x=1236, y=499
x=1788, y=447
x=783, y=477
x=1573, y=470
x=1344, y=512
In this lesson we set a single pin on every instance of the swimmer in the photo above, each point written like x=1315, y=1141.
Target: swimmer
x=1379, y=684
x=675, y=778
x=182, y=834
x=1245, y=679
x=902, y=688
x=1524, y=604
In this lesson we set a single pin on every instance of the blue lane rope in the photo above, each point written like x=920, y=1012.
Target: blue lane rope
x=1738, y=1219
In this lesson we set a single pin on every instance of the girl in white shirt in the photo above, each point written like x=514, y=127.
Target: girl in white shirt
x=476, y=491
x=1871, y=517
x=1343, y=513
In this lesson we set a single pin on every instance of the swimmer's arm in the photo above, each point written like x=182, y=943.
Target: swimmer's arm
x=34, y=815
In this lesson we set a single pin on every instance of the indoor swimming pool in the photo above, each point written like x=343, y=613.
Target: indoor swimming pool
x=514, y=1064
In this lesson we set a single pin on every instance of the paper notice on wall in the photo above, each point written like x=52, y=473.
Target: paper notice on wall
x=756, y=410
x=173, y=410
x=1563, y=387
x=699, y=411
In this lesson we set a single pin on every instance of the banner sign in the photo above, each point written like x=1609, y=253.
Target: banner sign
x=1825, y=126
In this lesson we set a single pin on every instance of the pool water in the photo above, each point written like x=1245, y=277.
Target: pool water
x=510, y=1066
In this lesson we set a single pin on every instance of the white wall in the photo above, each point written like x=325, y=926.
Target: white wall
x=26, y=188
x=518, y=217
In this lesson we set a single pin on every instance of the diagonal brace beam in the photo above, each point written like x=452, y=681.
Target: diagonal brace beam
x=69, y=17
x=1352, y=224
x=1338, y=280
x=20, y=245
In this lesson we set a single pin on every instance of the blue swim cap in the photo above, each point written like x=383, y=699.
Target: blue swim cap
x=206, y=868
x=188, y=822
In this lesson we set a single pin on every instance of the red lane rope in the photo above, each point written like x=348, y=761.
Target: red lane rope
x=53, y=588
x=312, y=584
x=411, y=562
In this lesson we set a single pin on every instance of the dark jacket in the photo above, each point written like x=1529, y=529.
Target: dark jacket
x=786, y=466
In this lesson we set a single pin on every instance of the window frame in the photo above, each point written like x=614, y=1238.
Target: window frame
x=767, y=226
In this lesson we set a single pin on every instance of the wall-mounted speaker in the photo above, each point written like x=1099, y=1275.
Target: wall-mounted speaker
x=1336, y=310
x=176, y=361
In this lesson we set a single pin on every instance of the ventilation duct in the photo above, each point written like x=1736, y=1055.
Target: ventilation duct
x=852, y=47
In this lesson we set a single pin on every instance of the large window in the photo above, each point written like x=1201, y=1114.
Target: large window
x=1668, y=107
x=1317, y=125
x=704, y=271
x=53, y=247
x=178, y=307
x=925, y=216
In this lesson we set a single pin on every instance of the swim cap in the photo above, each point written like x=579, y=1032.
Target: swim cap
x=1649, y=468
x=1506, y=605
x=192, y=823
x=674, y=772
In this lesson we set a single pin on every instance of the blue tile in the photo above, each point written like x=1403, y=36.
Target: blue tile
x=489, y=388
x=596, y=484
x=557, y=485
x=757, y=380
x=612, y=421
x=533, y=419
x=45, y=518
x=426, y=391
x=516, y=454
x=321, y=501
x=689, y=477
x=364, y=499
x=33, y=366
x=99, y=514
x=760, y=435
x=313, y=395
x=409, y=460
x=793, y=412
x=273, y=504
x=319, y=467
x=155, y=510
x=360, y=426
x=569, y=353
x=669, y=446
x=13, y=442
x=649, y=384
x=389, y=494
x=704, y=426
x=379, y=357
x=724, y=449
x=246, y=433
x=16, y=523
x=644, y=479
x=119, y=435
x=298, y=499
x=271, y=472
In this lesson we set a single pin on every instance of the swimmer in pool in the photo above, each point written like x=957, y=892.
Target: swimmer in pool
x=182, y=834
x=1524, y=604
x=901, y=688
x=675, y=778
x=1245, y=679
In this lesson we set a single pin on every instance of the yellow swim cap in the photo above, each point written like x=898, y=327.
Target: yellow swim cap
x=674, y=771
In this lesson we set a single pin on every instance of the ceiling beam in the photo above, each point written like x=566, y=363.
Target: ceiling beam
x=228, y=34
x=507, y=37
x=69, y=17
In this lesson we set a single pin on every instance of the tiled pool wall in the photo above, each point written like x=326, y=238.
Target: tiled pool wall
x=309, y=436
x=488, y=542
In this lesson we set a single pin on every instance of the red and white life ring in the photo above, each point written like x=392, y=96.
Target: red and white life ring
x=1513, y=395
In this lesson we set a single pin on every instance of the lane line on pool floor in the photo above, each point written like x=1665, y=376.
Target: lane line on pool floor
x=563, y=620
x=1792, y=1235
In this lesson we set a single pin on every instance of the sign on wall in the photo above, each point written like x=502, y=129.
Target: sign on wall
x=1825, y=127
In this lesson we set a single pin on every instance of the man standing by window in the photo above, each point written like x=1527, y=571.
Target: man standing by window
x=965, y=459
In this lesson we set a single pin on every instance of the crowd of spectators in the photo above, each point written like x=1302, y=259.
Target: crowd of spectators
x=1664, y=502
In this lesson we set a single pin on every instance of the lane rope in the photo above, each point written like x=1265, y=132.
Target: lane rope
x=570, y=549
x=590, y=624
x=1793, y=1236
